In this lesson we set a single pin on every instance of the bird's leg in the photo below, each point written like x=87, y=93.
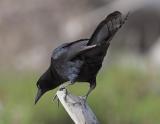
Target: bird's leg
x=63, y=86
x=55, y=96
x=92, y=86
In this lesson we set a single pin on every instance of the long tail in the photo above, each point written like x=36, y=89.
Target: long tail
x=107, y=28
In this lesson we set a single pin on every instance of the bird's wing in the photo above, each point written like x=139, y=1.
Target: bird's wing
x=107, y=28
x=63, y=55
x=64, y=48
x=74, y=63
x=71, y=51
x=77, y=51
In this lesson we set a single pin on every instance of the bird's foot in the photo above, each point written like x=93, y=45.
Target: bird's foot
x=55, y=97
x=66, y=93
x=84, y=98
x=65, y=97
x=62, y=87
x=82, y=101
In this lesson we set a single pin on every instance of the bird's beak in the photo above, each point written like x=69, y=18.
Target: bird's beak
x=39, y=95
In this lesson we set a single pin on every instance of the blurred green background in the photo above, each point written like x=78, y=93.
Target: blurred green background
x=128, y=85
x=122, y=96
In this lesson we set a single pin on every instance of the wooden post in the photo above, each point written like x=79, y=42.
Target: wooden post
x=77, y=108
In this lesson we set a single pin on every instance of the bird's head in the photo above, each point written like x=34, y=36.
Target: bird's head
x=44, y=84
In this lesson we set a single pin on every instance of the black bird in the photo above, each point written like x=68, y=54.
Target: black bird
x=80, y=61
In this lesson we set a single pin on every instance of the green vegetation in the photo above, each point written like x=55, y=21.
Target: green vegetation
x=122, y=96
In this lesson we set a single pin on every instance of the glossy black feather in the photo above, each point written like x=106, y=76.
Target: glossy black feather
x=80, y=61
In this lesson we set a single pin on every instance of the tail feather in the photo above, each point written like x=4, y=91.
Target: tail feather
x=107, y=28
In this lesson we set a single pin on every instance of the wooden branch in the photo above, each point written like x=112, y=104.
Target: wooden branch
x=77, y=108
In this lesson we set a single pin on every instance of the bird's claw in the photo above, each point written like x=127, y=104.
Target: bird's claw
x=54, y=98
x=84, y=98
x=61, y=88
x=82, y=101
x=66, y=93
x=65, y=97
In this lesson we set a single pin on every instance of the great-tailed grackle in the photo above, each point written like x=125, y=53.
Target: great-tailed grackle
x=80, y=61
